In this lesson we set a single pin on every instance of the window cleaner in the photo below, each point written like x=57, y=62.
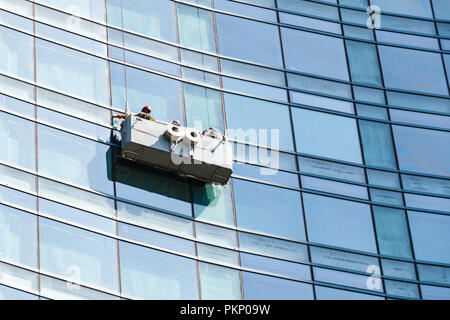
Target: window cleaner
x=146, y=113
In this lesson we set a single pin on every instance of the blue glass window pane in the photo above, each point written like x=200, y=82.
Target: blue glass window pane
x=325, y=293
x=407, y=40
x=18, y=239
x=420, y=118
x=331, y=169
x=66, y=122
x=155, y=238
x=21, y=7
x=155, y=220
x=249, y=40
x=7, y=293
x=274, y=176
x=213, y=234
x=345, y=279
x=213, y=203
x=330, y=186
x=252, y=114
x=268, y=214
x=408, y=25
x=377, y=144
x=435, y=293
x=72, y=252
x=219, y=283
x=203, y=107
x=164, y=95
x=196, y=28
x=85, y=200
x=71, y=71
x=441, y=9
x=275, y=266
x=151, y=18
x=418, y=8
x=413, y=70
x=425, y=184
x=17, y=106
x=392, y=232
x=422, y=150
x=248, y=11
x=342, y=259
x=71, y=39
x=17, y=138
x=311, y=23
x=150, y=62
x=114, y=12
x=118, y=89
x=430, y=236
x=339, y=223
x=261, y=287
x=310, y=8
x=77, y=216
x=150, y=188
x=272, y=247
x=362, y=4
x=321, y=102
x=150, y=274
x=16, y=54
x=427, y=202
x=326, y=135
x=432, y=273
x=73, y=159
x=363, y=60
x=91, y=9
x=420, y=102
x=314, y=53
x=399, y=269
x=254, y=89
x=16, y=198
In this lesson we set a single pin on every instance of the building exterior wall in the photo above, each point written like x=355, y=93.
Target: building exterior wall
x=340, y=121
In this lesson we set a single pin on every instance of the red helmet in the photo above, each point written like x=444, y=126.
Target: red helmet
x=146, y=109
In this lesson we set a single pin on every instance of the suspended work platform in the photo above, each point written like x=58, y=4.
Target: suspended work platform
x=177, y=149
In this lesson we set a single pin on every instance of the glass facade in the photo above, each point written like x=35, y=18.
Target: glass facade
x=356, y=205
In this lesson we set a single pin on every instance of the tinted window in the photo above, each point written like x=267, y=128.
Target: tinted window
x=151, y=274
x=261, y=287
x=268, y=209
x=72, y=252
x=252, y=114
x=430, y=236
x=339, y=223
x=314, y=53
x=422, y=150
x=326, y=135
x=413, y=70
x=248, y=40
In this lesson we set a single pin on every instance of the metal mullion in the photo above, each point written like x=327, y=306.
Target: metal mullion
x=36, y=154
x=440, y=47
x=224, y=119
x=363, y=156
x=294, y=144
x=399, y=175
